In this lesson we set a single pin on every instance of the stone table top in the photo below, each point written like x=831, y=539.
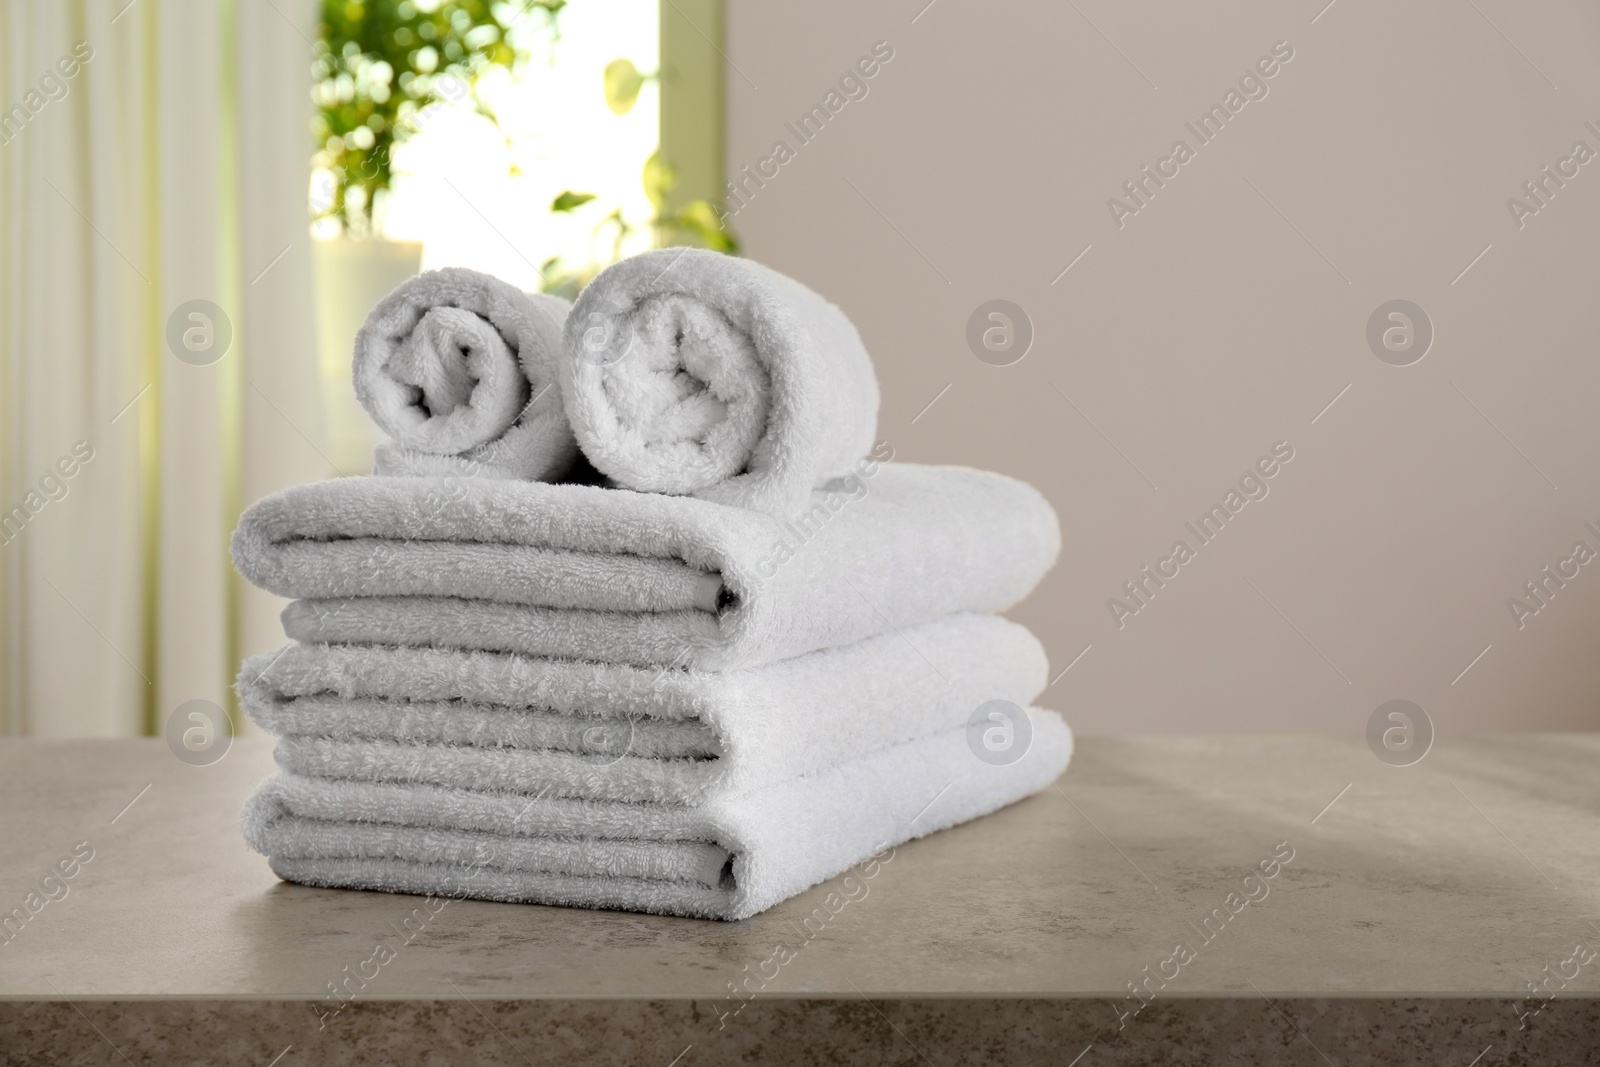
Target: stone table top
x=1463, y=876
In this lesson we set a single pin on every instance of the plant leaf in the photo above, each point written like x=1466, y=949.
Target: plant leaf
x=623, y=82
x=569, y=200
x=699, y=217
x=659, y=178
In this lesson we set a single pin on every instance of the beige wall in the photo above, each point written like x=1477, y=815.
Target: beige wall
x=1221, y=319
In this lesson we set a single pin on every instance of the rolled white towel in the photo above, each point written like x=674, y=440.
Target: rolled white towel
x=698, y=374
x=458, y=369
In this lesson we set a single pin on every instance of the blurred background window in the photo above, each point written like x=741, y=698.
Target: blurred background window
x=199, y=203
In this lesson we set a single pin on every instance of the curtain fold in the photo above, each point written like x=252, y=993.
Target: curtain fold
x=154, y=154
x=285, y=437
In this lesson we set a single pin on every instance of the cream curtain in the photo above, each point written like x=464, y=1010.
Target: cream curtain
x=154, y=154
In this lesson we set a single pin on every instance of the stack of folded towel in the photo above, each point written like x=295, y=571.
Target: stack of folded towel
x=635, y=611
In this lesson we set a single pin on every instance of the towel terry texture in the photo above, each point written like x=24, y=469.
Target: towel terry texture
x=690, y=372
x=583, y=572
x=512, y=724
x=727, y=859
x=459, y=370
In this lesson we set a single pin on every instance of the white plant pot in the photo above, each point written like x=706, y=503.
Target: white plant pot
x=351, y=276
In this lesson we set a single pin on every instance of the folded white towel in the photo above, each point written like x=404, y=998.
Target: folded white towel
x=691, y=372
x=728, y=859
x=459, y=369
x=566, y=728
x=615, y=576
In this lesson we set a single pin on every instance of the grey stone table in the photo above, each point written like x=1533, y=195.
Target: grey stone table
x=1407, y=913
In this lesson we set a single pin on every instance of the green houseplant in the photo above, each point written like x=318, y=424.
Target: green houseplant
x=381, y=67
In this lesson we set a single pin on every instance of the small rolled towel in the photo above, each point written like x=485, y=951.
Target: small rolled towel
x=459, y=369
x=698, y=374
x=513, y=724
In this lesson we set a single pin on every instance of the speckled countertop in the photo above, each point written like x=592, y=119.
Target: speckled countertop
x=1406, y=917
